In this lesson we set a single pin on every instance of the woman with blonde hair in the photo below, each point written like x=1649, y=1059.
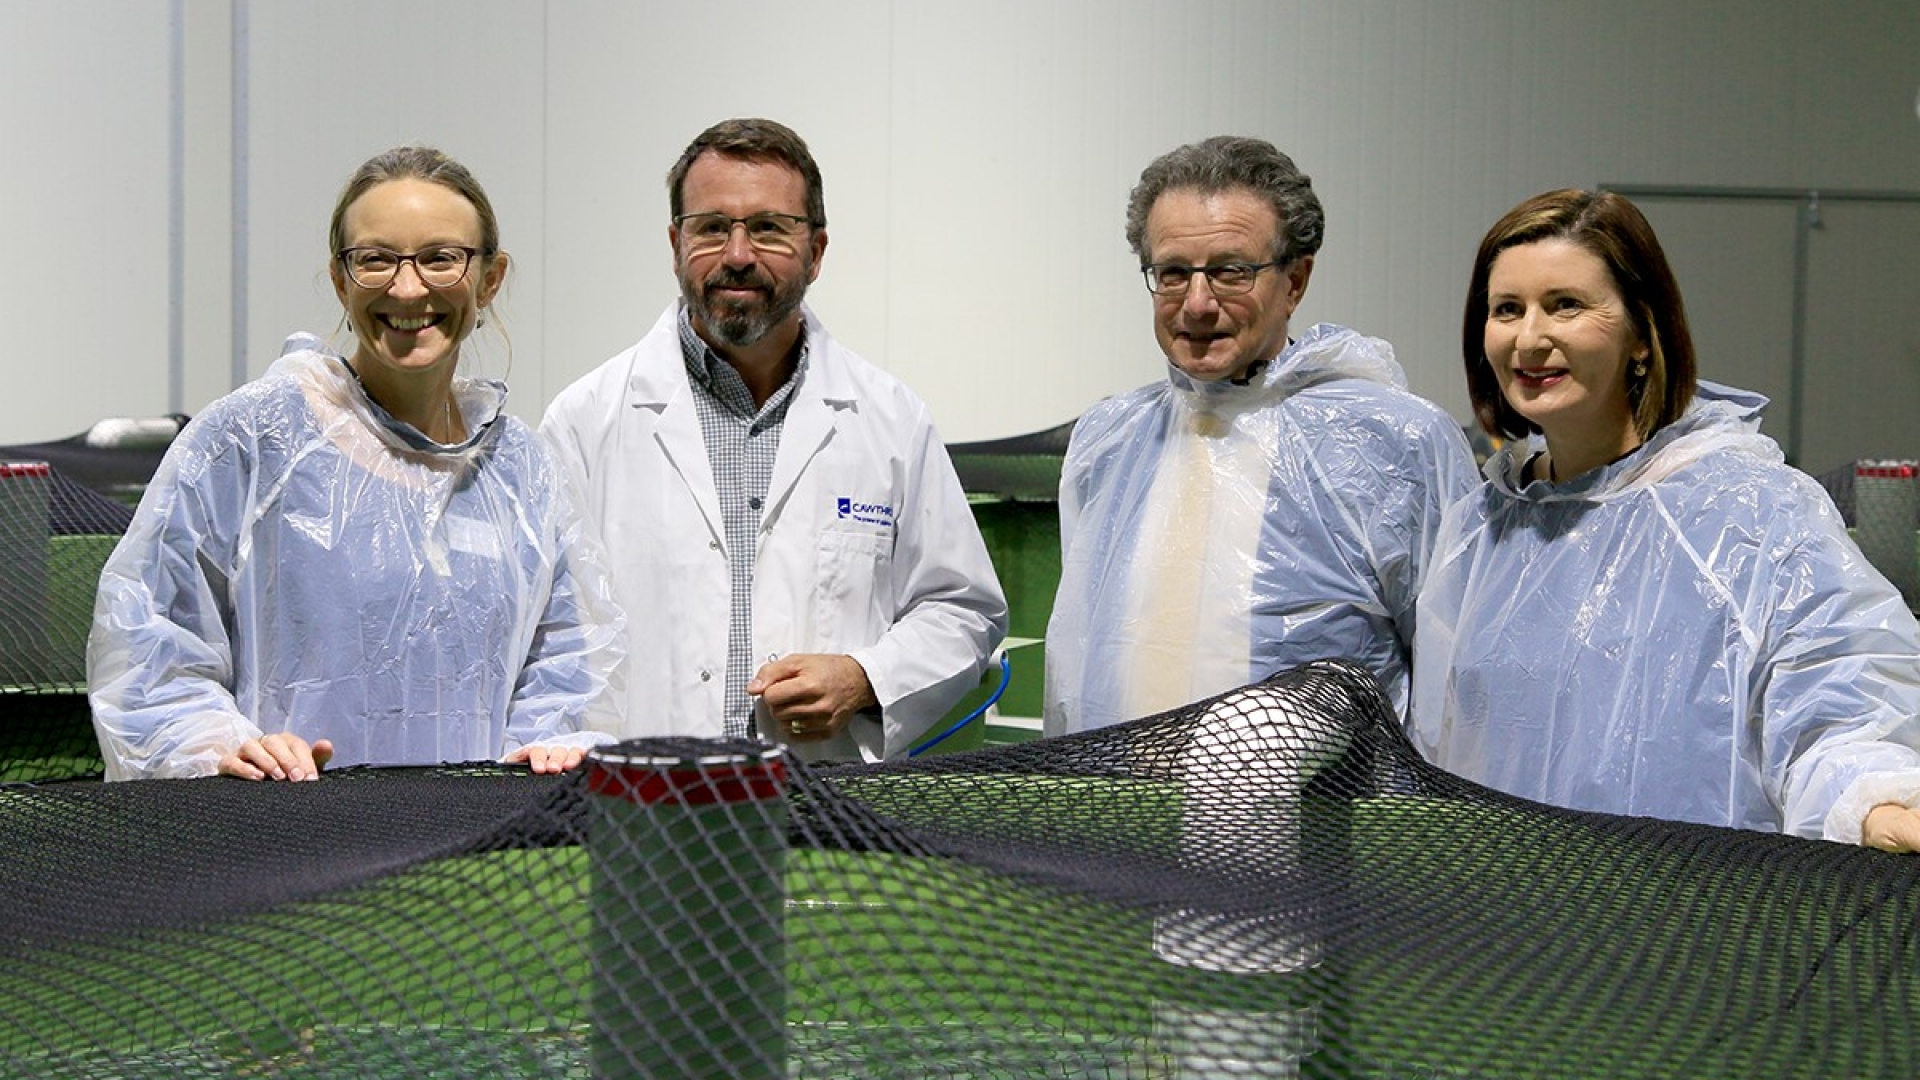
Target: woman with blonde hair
x=359, y=558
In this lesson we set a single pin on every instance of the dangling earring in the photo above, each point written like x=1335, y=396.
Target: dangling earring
x=480, y=320
x=1640, y=370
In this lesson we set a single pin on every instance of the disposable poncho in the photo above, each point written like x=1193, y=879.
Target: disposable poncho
x=304, y=562
x=1687, y=633
x=1213, y=533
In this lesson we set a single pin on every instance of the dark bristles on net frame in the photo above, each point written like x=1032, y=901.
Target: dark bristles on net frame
x=1268, y=884
x=55, y=534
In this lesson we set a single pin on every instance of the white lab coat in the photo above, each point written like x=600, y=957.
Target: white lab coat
x=866, y=545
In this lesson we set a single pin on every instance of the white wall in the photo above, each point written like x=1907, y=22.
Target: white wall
x=977, y=160
x=84, y=198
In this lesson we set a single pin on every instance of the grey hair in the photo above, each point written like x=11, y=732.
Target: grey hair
x=1226, y=163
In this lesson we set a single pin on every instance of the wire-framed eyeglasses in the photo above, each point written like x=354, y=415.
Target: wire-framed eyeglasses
x=1225, y=279
x=439, y=267
x=766, y=231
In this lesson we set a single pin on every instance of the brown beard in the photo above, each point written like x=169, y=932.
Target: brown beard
x=743, y=323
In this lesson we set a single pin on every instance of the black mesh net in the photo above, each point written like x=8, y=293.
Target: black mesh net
x=55, y=534
x=1269, y=884
x=1019, y=467
x=1880, y=501
x=114, y=458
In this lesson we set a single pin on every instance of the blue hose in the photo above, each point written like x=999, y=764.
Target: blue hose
x=1006, y=676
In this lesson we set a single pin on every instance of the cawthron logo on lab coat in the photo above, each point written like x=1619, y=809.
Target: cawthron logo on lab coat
x=866, y=513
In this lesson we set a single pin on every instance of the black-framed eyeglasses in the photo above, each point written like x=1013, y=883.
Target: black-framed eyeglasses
x=439, y=267
x=766, y=231
x=1225, y=279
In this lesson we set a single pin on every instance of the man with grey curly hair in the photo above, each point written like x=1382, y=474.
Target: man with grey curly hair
x=1225, y=162
x=1272, y=500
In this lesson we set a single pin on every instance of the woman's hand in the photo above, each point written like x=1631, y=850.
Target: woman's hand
x=549, y=759
x=280, y=756
x=1891, y=827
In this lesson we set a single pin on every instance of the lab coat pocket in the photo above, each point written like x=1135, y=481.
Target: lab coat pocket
x=852, y=583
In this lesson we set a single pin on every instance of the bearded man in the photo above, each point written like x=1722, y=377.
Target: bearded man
x=784, y=527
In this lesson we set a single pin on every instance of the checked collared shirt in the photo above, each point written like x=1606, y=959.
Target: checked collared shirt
x=741, y=443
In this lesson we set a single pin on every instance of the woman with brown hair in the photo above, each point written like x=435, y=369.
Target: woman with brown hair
x=1645, y=610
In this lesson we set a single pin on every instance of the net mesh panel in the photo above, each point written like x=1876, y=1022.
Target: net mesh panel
x=1267, y=884
x=55, y=534
x=116, y=468
x=1883, y=509
x=1020, y=467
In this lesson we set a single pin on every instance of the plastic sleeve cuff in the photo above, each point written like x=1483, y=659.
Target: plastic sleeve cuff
x=1849, y=813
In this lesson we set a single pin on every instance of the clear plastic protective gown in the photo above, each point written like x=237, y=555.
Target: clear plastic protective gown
x=1212, y=533
x=304, y=562
x=1687, y=633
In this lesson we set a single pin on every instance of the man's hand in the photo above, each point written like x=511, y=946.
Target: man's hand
x=549, y=759
x=813, y=696
x=280, y=756
x=1891, y=827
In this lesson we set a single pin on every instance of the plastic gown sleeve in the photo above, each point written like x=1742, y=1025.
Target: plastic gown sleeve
x=571, y=686
x=160, y=656
x=1839, y=688
x=1393, y=503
